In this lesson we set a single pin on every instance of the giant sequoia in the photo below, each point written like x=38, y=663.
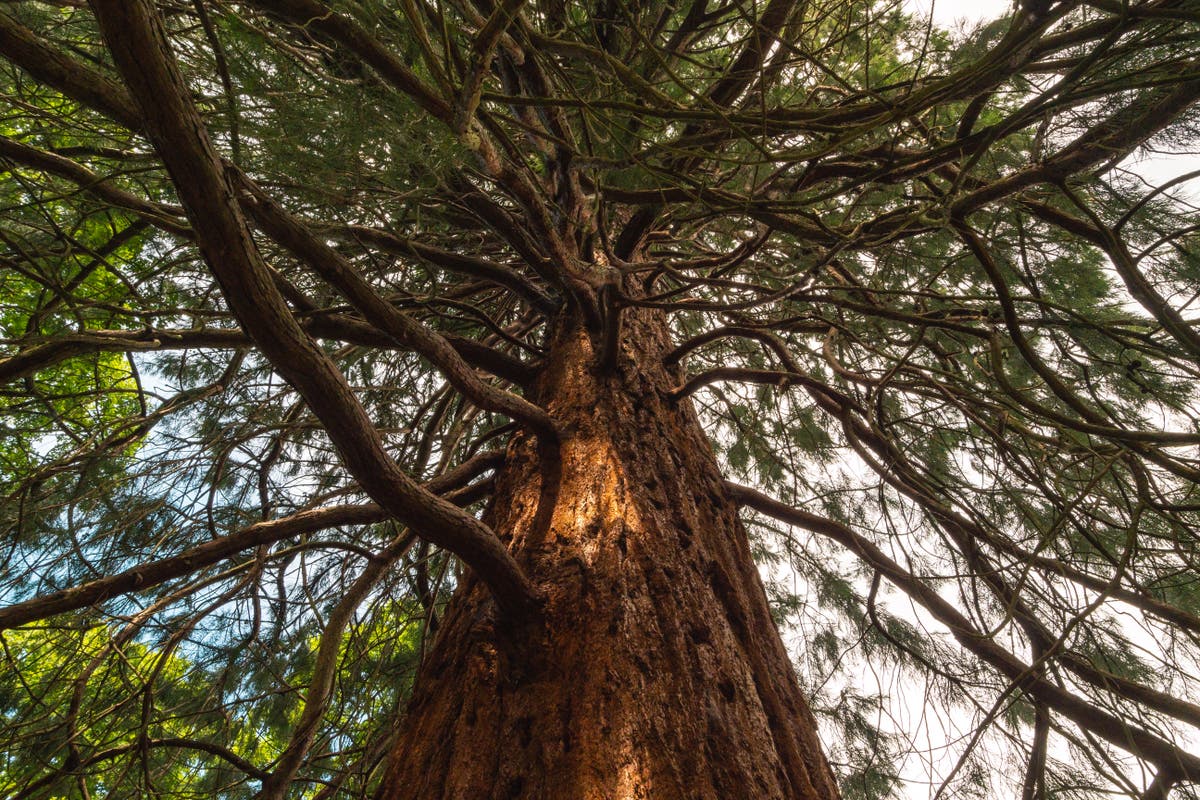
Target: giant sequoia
x=457, y=398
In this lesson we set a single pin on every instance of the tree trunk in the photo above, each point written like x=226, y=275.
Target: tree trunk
x=658, y=672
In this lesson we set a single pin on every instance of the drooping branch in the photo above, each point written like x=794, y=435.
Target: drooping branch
x=318, y=17
x=154, y=573
x=1122, y=733
x=1104, y=142
x=39, y=354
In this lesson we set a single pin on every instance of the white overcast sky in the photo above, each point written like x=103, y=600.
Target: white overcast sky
x=946, y=13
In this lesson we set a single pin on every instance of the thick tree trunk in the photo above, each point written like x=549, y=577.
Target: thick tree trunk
x=658, y=673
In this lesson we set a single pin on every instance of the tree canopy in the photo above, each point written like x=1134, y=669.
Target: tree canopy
x=941, y=333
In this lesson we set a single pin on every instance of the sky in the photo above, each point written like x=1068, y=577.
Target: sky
x=947, y=13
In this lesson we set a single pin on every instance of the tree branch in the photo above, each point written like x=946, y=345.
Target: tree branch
x=1120, y=732
x=140, y=49
x=154, y=573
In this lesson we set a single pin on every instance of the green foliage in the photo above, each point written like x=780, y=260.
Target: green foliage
x=933, y=307
x=166, y=719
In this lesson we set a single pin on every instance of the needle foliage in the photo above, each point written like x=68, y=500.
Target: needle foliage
x=924, y=298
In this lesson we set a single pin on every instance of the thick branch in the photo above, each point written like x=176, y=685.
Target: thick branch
x=138, y=42
x=53, y=68
x=1112, y=138
x=343, y=276
x=77, y=80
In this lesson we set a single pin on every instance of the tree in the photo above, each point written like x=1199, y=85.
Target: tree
x=404, y=399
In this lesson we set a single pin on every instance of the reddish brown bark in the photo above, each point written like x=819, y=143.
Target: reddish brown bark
x=658, y=672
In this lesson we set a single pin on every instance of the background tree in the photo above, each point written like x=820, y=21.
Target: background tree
x=382, y=382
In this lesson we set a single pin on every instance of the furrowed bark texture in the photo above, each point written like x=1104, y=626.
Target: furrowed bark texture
x=658, y=672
